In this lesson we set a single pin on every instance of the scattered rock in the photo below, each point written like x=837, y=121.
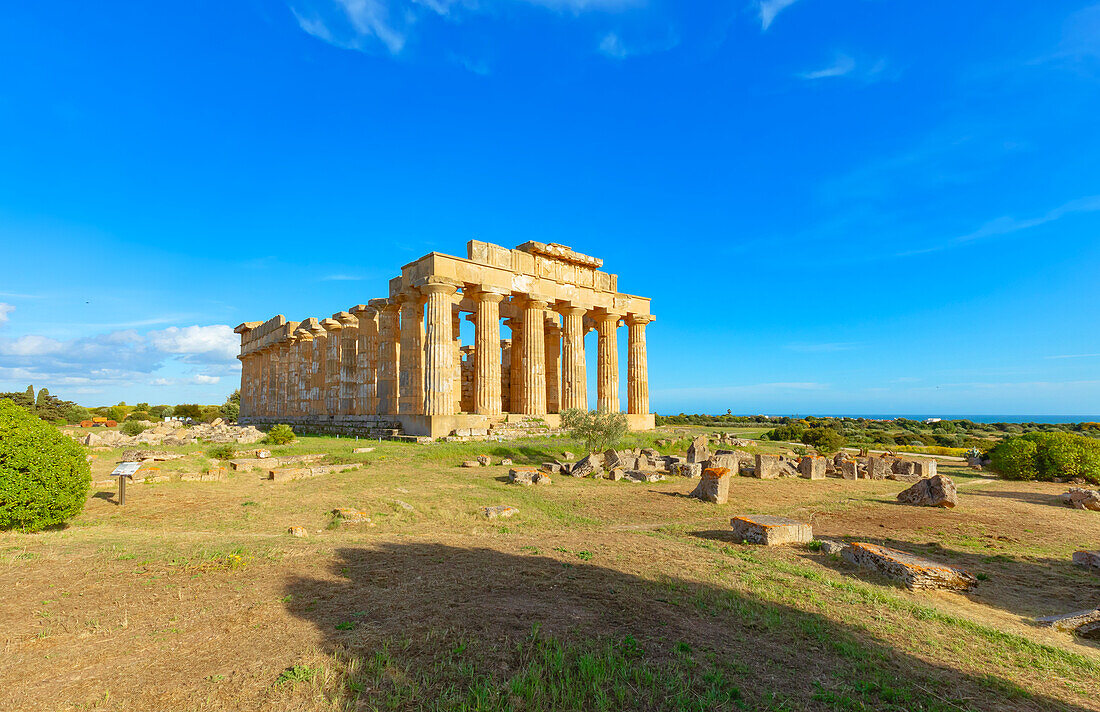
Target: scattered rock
x=501, y=511
x=639, y=476
x=1080, y=498
x=828, y=546
x=1088, y=559
x=362, y=450
x=714, y=486
x=471, y=463
x=297, y=531
x=551, y=467
x=849, y=470
x=568, y=456
x=615, y=475
x=689, y=469
x=250, y=462
x=1084, y=624
x=915, y=572
x=938, y=491
x=301, y=473
x=879, y=468
x=154, y=455
x=484, y=460
x=404, y=505
x=507, y=462
x=216, y=474
x=769, y=530
x=770, y=467
x=697, y=451
x=522, y=476
x=541, y=478
x=346, y=515
x=588, y=466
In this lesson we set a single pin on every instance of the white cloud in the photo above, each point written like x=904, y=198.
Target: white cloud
x=30, y=345
x=216, y=342
x=5, y=309
x=612, y=46
x=841, y=66
x=205, y=380
x=770, y=8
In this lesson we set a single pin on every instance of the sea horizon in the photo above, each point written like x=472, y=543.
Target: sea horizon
x=976, y=418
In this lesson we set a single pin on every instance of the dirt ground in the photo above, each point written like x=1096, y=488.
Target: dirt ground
x=194, y=597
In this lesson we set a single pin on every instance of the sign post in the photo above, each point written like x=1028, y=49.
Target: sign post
x=124, y=471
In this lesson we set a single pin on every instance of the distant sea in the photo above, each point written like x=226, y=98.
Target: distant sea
x=973, y=418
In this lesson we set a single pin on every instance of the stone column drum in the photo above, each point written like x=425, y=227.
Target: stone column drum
x=365, y=398
x=607, y=363
x=574, y=380
x=349, y=348
x=487, y=353
x=637, y=366
x=331, y=389
x=389, y=352
x=515, y=368
x=290, y=398
x=552, y=337
x=439, y=390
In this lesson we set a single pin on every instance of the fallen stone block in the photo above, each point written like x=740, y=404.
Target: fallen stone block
x=938, y=491
x=587, y=466
x=689, y=469
x=541, y=478
x=522, y=476
x=551, y=467
x=914, y=571
x=150, y=455
x=697, y=451
x=249, y=463
x=831, y=547
x=1085, y=624
x=347, y=515
x=615, y=475
x=1088, y=559
x=484, y=460
x=879, y=468
x=714, y=486
x=849, y=470
x=812, y=467
x=301, y=473
x=1081, y=498
x=770, y=531
x=639, y=476
x=506, y=462
x=471, y=463
x=500, y=511
x=362, y=450
x=297, y=531
x=770, y=467
x=925, y=468
x=216, y=474
x=568, y=456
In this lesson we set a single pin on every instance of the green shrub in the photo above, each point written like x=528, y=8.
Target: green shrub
x=222, y=452
x=1047, y=455
x=280, y=434
x=598, y=431
x=44, y=476
x=825, y=440
x=133, y=427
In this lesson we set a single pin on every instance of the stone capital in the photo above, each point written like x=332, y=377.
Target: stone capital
x=569, y=309
x=640, y=319
x=364, y=311
x=331, y=325
x=346, y=319
x=489, y=294
x=533, y=301
x=445, y=288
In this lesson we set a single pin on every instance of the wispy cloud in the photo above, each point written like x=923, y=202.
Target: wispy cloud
x=1074, y=356
x=341, y=278
x=841, y=66
x=864, y=69
x=5, y=309
x=1007, y=225
x=612, y=46
x=770, y=8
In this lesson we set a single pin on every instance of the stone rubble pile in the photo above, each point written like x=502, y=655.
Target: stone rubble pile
x=174, y=433
x=1081, y=498
x=913, y=571
x=938, y=491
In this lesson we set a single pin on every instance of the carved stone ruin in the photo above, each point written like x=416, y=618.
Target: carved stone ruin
x=397, y=363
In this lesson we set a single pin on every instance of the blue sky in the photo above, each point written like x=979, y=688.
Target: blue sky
x=865, y=206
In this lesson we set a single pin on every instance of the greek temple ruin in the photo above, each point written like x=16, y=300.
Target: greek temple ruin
x=398, y=363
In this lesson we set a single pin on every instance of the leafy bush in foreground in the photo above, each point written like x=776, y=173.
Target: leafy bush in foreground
x=1047, y=455
x=598, y=431
x=280, y=434
x=44, y=477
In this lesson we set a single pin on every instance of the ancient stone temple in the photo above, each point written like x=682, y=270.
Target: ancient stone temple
x=398, y=362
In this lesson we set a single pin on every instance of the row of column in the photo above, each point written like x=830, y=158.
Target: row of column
x=396, y=356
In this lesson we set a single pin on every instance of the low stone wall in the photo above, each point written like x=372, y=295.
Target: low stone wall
x=370, y=426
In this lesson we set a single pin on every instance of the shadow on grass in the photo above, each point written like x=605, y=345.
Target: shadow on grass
x=1053, y=500
x=430, y=626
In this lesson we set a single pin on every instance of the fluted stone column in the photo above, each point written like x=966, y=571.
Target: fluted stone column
x=534, y=356
x=574, y=377
x=607, y=363
x=456, y=354
x=247, y=383
x=282, y=386
x=439, y=372
x=317, y=370
x=552, y=338
x=515, y=368
x=303, y=346
x=348, y=359
x=389, y=356
x=505, y=375
x=266, y=372
x=331, y=396
x=365, y=398
x=411, y=376
x=487, y=353
x=637, y=366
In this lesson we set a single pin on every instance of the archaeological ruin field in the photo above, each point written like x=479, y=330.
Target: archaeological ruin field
x=594, y=595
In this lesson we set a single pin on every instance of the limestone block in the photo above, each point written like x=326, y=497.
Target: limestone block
x=506, y=462
x=769, y=530
x=551, y=467
x=728, y=459
x=347, y=515
x=925, y=468
x=541, y=478
x=500, y=511
x=714, y=486
x=1088, y=559
x=471, y=463
x=848, y=470
x=568, y=456
x=812, y=467
x=1080, y=498
x=362, y=450
x=689, y=469
x=770, y=467
x=914, y=571
x=297, y=531
x=639, y=476
x=1085, y=624
x=938, y=491
x=697, y=451
x=484, y=460
x=300, y=473
x=588, y=466
x=522, y=476
x=878, y=468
